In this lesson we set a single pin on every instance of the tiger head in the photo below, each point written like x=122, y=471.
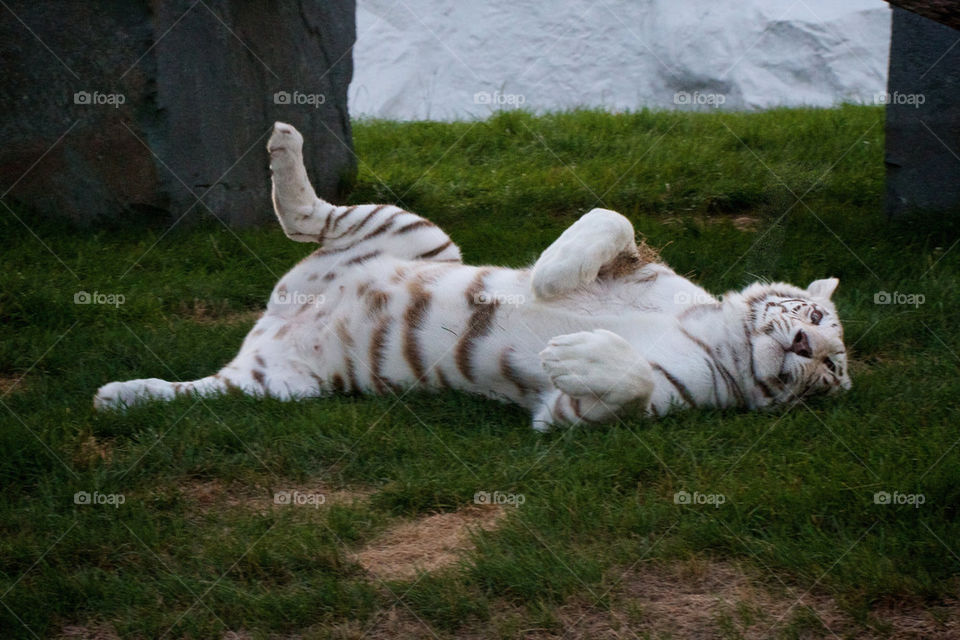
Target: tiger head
x=797, y=340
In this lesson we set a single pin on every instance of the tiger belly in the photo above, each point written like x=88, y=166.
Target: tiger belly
x=387, y=324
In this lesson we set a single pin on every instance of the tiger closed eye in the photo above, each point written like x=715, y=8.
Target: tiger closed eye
x=830, y=364
x=816, y=317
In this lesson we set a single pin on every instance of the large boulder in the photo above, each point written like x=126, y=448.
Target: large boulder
x=166, y=107
x=923, y=117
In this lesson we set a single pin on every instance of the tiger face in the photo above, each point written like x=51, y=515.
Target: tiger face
x=797, y=339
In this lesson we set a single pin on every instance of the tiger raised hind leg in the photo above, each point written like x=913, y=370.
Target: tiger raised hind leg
x=273, y=360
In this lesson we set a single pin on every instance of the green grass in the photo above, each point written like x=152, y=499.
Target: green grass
x=799, y=485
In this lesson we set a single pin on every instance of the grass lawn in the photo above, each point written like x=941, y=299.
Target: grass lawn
x=198, y=549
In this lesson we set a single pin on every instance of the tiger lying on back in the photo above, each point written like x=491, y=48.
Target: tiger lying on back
x=596, y=328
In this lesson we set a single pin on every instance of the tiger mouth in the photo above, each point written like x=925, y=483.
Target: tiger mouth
x=798, y=346
x=790, y=374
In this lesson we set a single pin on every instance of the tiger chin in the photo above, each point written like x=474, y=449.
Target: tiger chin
x=598, y=329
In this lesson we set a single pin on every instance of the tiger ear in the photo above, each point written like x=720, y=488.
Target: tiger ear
x=823, y=288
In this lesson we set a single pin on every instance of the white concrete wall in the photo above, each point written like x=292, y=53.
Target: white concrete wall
x=460, y=59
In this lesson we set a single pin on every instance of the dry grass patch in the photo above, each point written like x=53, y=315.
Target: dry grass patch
x=746, y=223
x=215, y=312
x=93, y=631
x=395, y=623
x=10, y=384
x=427, y=543
x=741, y=222
x=702, y=599
x=90, y=452
x=216, y=495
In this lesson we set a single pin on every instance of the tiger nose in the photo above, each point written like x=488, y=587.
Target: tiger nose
x=801, y=345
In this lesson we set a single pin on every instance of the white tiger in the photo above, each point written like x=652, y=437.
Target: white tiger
x=596, y=328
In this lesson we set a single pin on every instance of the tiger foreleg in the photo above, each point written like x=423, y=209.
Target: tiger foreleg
x=598, y=238
x=596, y=375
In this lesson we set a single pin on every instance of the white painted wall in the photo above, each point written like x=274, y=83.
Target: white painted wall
x=458, y=59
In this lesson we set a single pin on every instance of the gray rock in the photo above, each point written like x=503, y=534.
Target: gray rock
x=923, y=117
x=167, y=106
x=942, y=11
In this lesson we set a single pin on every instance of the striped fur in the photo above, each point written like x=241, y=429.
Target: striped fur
x=596, y=329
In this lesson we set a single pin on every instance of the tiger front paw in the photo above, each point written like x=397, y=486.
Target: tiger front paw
x=561, y=273
x=578, y=255
x=597, y=364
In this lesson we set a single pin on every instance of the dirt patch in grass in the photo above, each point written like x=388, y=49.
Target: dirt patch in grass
x=94, y=631
x=215, y=312
x=714, y=599
x=746, y=223
x=210, y=495
x=693, y=600
x=90, y=451
x=427, y=543
x=395, y=623
x=10, y=384
x=742, y=222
